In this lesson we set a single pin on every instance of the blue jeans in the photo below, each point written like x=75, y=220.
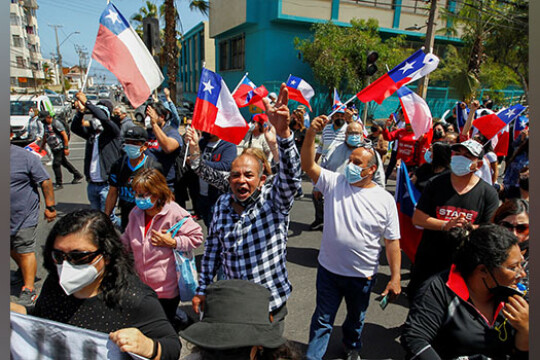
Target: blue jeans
x=97, y=194
x=331, y=289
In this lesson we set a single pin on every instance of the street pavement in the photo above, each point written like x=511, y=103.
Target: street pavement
x=382, y=327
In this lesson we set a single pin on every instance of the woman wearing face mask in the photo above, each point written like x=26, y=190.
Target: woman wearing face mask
x=467, y=311
x=91, y=285
x=513, y=214
x=149, y=236
x=437, y=163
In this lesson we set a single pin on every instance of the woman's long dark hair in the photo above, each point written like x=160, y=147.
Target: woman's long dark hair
x=99, y=229
x=510, y=207
x=488, y=245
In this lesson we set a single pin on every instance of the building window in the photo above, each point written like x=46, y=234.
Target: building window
x=415, y=6
x=20, y=62
x=232, y=54
x=17, y=41
x=14, y=19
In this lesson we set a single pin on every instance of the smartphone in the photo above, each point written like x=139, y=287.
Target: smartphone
x=384, y=302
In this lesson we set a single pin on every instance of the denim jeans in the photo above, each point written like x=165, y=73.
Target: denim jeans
x=331, y=289
x=97, y=194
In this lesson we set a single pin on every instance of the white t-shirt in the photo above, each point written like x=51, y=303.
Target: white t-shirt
x=485, y=172
x=355, y=220
x=95, y=169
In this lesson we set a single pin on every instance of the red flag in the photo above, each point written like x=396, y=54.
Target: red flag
x=248, y=94
x=501, y=149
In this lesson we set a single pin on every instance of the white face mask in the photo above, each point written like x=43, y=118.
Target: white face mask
x=73, y=278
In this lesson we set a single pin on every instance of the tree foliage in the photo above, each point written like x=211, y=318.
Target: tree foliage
x=337, y=55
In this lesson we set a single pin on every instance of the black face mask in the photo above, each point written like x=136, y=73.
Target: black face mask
x=524, y=184
x=339, y=122
x=500, y=292
x=437, y=134
x=250, y=200
x=115, y=118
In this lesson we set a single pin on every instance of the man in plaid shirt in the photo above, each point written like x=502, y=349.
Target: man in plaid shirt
x=248, y=233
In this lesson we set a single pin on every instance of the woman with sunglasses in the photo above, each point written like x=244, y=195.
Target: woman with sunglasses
x=151, y=235
x=91, y=285
x=472, y=310
x=513, y=214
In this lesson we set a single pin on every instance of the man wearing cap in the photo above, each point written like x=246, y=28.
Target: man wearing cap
x=54, y=135
x=102, y=148
x=248, y=234
x=358, y=214
x=450, y=200
x=124, y=170
x=333, y=135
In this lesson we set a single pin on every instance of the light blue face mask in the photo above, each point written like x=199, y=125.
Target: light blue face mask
x=460, y=165
x=354, y=140
x=144, y=203
x=428, y=156
x=132, y=151
x=353, y=173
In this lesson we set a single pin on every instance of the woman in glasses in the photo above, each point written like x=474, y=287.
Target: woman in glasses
x=151, y=235
x=472, y=310
x=91, y=285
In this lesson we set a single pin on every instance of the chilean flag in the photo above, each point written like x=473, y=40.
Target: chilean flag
x=413, y=68
x=501, y=142
x=521, y=124
x=490, y=125
x=337, y=100
x=300, y=90
x=461, y=116
x=415, y=110
x=216, y=111
x=406, y=199
x=121, y=50
x=35, y=149
x=249, y=94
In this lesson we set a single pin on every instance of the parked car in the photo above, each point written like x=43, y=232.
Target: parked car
x=104, y=94
x=184, y=113
x=20, y=106
x=62, y=108
x=140, y=113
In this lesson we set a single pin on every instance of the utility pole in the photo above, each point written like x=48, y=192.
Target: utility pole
x=83, y=56
x=430, y=41
x=59, y=57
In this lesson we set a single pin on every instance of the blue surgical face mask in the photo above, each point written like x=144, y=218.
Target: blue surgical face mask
x=353, y=173
x=460, y=165
x=428, y=156
x=144, y=203
x=354, y=140
x=132, y=151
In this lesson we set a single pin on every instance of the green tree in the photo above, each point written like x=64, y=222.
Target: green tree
x=337, y=55
x=148, y=10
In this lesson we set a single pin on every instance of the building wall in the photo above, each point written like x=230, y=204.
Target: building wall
x=225, y=15
x=314, y=9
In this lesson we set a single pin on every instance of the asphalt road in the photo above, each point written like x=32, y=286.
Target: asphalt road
x=382, y=328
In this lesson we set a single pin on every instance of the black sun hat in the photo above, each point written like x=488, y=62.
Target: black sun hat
x=136, y=133
x=235, y=315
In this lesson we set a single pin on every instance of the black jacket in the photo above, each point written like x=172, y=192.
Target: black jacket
x=109, y=145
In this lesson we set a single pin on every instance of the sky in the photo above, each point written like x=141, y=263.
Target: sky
x=83, y=16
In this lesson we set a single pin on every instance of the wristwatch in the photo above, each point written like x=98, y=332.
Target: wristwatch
x=51, y=208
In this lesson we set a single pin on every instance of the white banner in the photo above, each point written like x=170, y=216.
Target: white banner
x=37, y=338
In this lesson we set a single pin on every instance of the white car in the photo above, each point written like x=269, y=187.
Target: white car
x=20, y=106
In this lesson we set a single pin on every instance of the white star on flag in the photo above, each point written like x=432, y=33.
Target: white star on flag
x=293, y=82
x=113, y=16
x=407, y=67
x=208, y=86
x=511, y=113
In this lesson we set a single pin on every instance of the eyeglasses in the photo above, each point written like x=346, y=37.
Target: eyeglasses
x=74, y=257
x=520, y=228
x=366, y=143
x=518, y=268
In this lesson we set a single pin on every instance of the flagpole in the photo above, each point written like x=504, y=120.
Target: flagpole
x=86, y=76
x=239, y=83
x=342, y=106
x=187, y=127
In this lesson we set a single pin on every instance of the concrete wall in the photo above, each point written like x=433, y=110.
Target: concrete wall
x=315, y=9
x=225, y=15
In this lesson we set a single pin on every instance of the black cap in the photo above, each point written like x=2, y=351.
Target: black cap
x=43, y=114
x=136, y=133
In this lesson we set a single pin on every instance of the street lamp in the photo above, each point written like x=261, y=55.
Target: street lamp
x=60, y=56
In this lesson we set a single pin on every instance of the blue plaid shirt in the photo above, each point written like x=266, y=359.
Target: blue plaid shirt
x=253, y=246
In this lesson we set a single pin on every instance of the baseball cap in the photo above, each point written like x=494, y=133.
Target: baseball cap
x=136, y=133
x=341, y=111
x=472, y=146
x=43, y=114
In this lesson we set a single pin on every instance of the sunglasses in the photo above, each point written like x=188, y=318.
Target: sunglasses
x=74, y=257
x=520, y=228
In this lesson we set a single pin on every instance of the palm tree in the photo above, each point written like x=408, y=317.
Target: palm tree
x=149, y=10
x=171, y=48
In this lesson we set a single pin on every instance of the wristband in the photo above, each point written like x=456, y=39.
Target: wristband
x=51, y=208
x=154, y=353
x=443, y=225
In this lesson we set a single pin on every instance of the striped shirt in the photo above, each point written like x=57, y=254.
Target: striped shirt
x=331, y=138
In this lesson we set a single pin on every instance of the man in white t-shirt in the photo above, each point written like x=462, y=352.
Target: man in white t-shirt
x=357, y=214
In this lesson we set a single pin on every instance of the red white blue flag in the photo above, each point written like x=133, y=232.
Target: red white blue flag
x=501, y=142
x=521, y=124
x=337, y=100
x=121, y=50
x=248, y=93
x=300, y=90
x=415, y=110
x=35, y=149
x=461, y=116
x=413, y=68
x=216, y=111
x=490, y=125
x=406, y=199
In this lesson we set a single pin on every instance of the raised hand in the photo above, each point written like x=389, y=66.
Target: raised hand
x=278, y=114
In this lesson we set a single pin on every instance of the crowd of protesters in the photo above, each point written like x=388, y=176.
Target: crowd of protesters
x=469, y=279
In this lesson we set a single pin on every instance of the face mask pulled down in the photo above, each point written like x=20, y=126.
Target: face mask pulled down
x=73, y=278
